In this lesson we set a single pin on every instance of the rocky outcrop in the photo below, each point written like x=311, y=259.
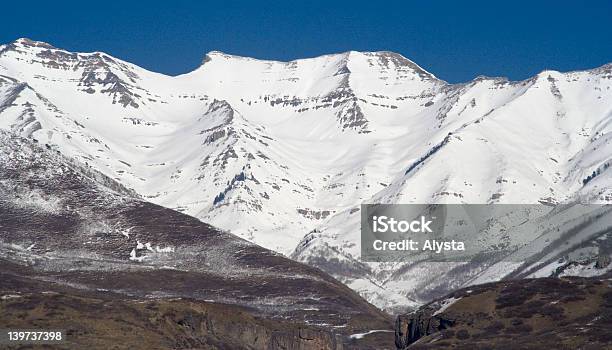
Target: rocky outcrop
x=410, y=328
x=599, y=262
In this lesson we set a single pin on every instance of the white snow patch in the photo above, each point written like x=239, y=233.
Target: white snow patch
x=585, y=270
x=133, y=256
x=361, y=335
x=10, y=296
x=164, y=249
x=445, y=305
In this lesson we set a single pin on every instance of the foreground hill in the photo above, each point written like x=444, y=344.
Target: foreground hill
x=568, y=313
x=77, y=248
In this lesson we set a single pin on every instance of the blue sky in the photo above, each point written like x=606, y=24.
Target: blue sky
x=455, y=40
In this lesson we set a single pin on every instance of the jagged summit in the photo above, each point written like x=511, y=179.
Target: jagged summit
x=26, y=42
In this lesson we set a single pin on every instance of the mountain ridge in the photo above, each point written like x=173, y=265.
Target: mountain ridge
x=44, y=44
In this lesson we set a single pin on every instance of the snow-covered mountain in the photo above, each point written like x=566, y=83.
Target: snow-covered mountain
x=283, y=153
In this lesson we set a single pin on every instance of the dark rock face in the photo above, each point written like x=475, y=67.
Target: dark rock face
x=409, y=329
x=573, y=313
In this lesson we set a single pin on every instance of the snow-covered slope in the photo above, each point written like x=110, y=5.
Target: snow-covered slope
x=283, y=153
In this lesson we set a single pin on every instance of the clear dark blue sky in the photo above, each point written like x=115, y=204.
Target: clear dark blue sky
x=455, y=40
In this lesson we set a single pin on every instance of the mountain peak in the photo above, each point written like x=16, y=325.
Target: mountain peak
x=386, y=59
x=398, y=60
x=27, y=42
x=215, y=54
